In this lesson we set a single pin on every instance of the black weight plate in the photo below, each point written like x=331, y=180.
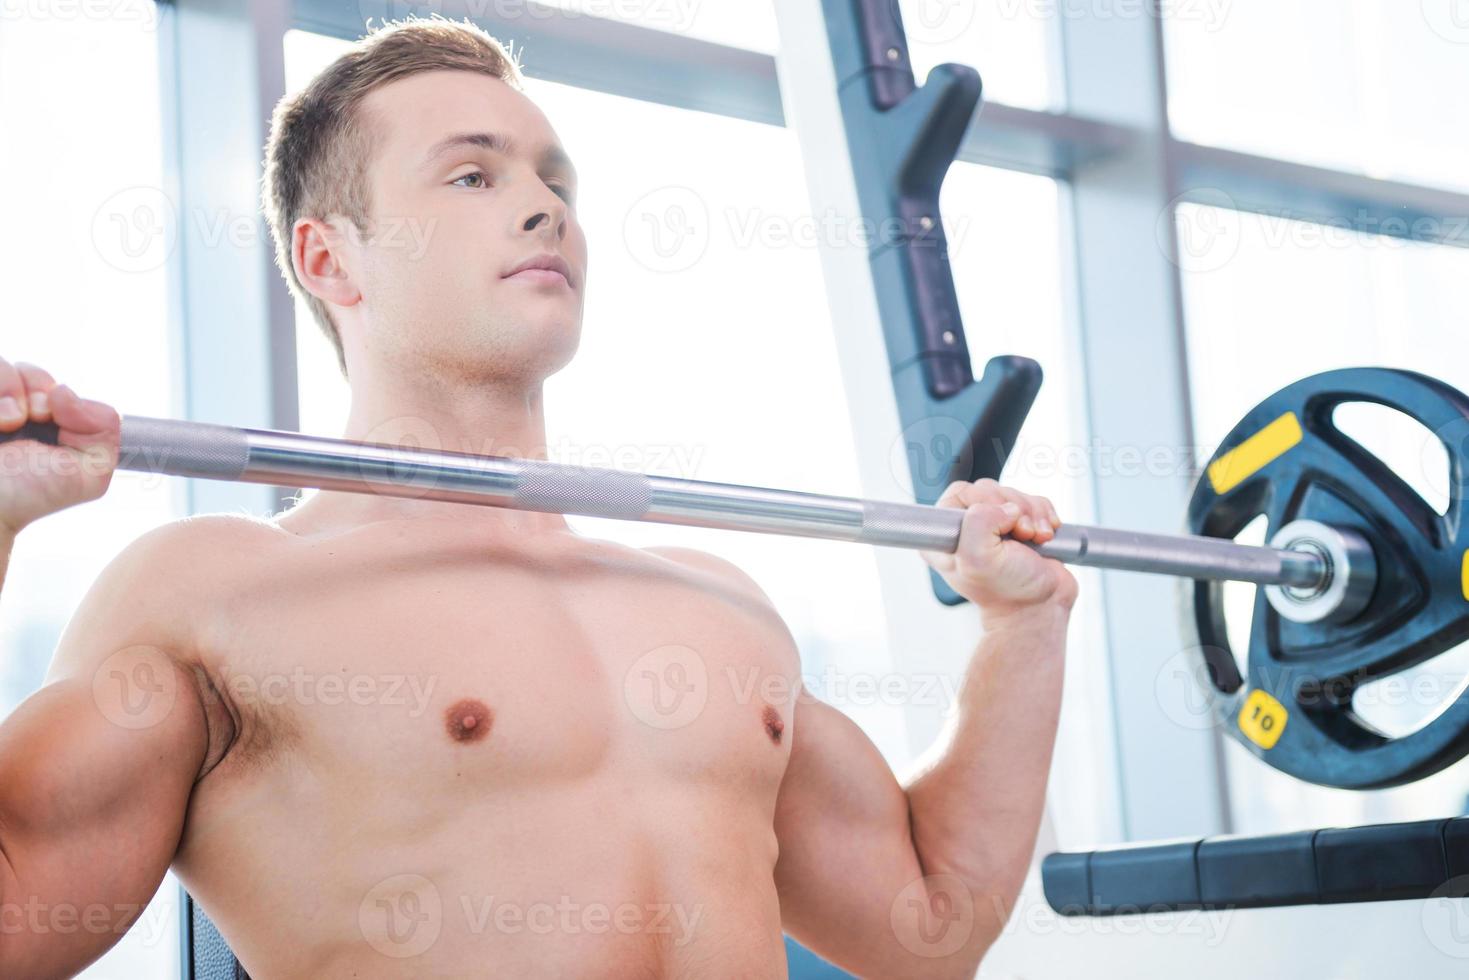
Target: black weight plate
x=1288, y=461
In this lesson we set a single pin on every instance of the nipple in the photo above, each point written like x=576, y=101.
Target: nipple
x=467, y=720
x=773, y=725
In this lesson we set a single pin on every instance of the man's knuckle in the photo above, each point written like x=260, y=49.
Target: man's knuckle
x=32, y=373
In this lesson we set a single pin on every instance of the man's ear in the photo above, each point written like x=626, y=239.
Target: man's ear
x=319, y=253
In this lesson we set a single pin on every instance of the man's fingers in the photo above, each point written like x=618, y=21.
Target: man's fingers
x=1032, y=522
x=954, y=495
x=962, y=493
x=1037, y=519
x=13, y=410
x=81, y=416
x=985, y=525
x=37, y=382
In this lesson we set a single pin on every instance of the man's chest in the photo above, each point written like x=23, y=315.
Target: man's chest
x=465, y=673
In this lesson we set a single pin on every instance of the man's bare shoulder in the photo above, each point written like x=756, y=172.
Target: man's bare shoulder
x=209, y=527
x=200, y=549
x=732, y=577
x=156, y=589
x=722, y=568
x=194, y=559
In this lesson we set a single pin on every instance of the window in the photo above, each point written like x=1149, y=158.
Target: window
x=1358, y=84
x=737, y=23
x=1009, y=42
x=324, y=395
x=1267, y=302
x=1005, y=248
x=89, y=232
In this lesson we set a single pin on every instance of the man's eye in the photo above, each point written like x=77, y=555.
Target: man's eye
x=479, y=174
x=563, y=191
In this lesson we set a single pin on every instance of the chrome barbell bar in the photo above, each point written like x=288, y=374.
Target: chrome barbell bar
x=220, y=452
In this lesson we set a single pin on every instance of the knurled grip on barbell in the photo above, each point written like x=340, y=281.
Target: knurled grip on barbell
x=216, y=452
x=599, y=493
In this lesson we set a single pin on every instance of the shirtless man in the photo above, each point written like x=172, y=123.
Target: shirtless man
x=381, y=736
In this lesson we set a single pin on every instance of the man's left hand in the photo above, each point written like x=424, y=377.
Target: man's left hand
x=990, y=567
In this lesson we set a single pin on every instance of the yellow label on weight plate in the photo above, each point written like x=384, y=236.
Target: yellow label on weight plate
x=1262, y=719
x=1255, y=453
x=1465, y=575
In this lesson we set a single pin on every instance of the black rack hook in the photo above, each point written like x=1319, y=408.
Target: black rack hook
x=902, y=140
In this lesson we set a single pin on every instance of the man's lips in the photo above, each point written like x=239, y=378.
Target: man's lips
x=541, y=277
x=547, y=268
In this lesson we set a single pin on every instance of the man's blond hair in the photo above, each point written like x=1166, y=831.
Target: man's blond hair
x=317, y=156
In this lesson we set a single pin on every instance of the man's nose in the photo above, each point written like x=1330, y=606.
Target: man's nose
x=549, y=219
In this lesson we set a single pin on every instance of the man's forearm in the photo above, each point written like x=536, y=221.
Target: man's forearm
x=976, y=807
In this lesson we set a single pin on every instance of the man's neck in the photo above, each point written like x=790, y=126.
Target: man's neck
x=484, y=420
x=487, y=420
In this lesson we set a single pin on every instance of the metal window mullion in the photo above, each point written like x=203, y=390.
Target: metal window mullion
x=232, y=324
x=1127, y=302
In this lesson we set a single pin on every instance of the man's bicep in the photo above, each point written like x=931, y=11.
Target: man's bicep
x=119, y=714
x=97, y=766
x=846, y=845
x=91, y=811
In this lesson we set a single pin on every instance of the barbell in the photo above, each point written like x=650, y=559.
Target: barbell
x=1356, y=576
x=175, y=447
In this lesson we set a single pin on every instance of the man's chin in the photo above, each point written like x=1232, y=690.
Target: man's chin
x=546, y=317
x=550, y=339
x=553, y=326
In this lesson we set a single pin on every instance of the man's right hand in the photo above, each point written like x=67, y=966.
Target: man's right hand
x=36, y=478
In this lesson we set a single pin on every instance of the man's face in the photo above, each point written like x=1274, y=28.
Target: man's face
x=468, y=181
